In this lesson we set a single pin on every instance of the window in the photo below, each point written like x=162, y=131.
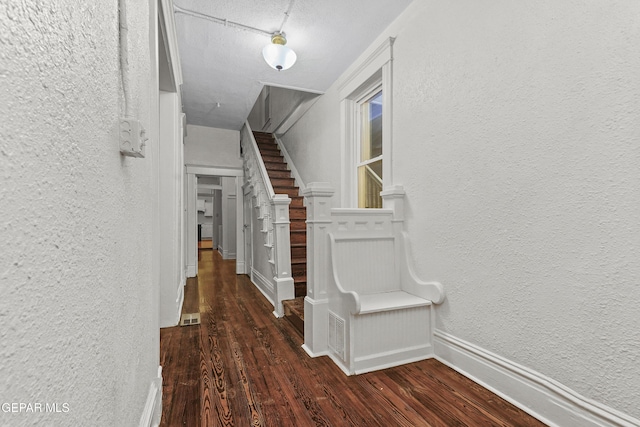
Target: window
x=369, y=159
x=366, y=129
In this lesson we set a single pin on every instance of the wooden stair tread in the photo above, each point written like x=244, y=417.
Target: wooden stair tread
x=296, y=306
x=294, y=313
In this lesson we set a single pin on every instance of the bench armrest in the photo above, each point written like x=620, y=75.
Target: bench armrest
x=351, y=298
x=432, y=291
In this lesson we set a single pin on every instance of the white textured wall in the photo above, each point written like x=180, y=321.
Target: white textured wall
x=517, y=138
x=205, y=146
x=78, y=312
x=314, y=142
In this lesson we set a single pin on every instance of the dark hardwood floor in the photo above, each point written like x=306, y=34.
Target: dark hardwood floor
x=244, y=367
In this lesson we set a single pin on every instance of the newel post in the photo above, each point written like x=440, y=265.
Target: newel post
x=284, y=288
x=316, y=320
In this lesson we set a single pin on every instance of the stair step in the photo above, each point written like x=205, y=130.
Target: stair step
x=298, y=236
x=257, y=133
x=297, y=212
x=276, y=166
x=265, y=138
x=270, y=152
x=299, y=266
x=283, y=182
x=266, y=143
x=272, y=159
x=271, y=147
x=299, y=270
x=297, y=223
x=289, y=191
x=296, y=202
x=279, y=174
x=300, y=286
x=294, y=313
x=298, y=250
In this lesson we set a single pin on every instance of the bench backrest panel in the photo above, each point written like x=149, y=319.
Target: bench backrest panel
x=366, y=265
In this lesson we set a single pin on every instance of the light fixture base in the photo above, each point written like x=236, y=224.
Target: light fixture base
x=279, y=38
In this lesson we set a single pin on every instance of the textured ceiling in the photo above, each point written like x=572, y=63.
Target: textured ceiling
x=223, y=64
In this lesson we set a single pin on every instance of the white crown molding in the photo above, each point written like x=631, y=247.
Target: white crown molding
x=168, y=32
x=544, y=398
x=366, y=68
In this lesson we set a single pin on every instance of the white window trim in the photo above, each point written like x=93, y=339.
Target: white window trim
x=373, y=71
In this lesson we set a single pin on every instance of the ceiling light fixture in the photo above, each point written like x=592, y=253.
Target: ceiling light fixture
x=277, y=55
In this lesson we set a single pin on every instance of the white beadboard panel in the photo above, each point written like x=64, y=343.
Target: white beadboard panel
x=388, y=331
x=366, y=266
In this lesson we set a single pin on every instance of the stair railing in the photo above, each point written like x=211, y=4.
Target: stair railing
x=273, y=212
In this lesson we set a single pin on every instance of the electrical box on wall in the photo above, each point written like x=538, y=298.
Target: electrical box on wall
x=133, y=137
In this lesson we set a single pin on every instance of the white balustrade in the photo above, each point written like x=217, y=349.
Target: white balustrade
x=273, y=212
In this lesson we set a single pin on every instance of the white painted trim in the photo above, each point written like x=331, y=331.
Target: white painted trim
x=374, y=70
x=292, y=166
x=153, y=406
x=544, y=398
x=292, y=118
x=301, y=89
x=191, y=271
x=264, y=285
x=366, y=68
x=214, y=170
x=178, y=307
x=312, y=354
x=173, y=53
x=209, y=187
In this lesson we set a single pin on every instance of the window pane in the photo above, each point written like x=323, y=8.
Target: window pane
x=371, y=140
x=370, y=185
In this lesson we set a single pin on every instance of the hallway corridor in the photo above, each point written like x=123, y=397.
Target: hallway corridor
x=242, y=366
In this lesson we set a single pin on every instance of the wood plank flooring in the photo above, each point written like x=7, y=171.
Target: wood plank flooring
x=244, y=367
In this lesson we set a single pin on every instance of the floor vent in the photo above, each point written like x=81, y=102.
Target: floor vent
x=189, y=319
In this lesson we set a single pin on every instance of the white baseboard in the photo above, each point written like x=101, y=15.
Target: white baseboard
x=168, y=320
x=191, y=271
x=316, y=354
x=240, y=267
x=180, y=299
x=153, y=406
x=264, y=285
x=542, y=397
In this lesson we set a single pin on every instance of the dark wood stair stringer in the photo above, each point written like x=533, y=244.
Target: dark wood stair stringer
x=283, y=183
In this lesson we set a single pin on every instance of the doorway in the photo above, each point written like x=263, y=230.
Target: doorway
x=220, y=190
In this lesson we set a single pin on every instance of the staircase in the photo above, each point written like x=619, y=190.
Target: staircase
x=283, y=183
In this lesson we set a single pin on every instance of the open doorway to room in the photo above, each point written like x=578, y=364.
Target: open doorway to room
x=209, y=212
x=214, y=211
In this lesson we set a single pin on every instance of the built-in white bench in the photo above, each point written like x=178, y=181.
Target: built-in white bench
x=379, y=312
x=365, y=308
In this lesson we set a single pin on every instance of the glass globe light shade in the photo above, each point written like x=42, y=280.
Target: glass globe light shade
x=279, y=56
